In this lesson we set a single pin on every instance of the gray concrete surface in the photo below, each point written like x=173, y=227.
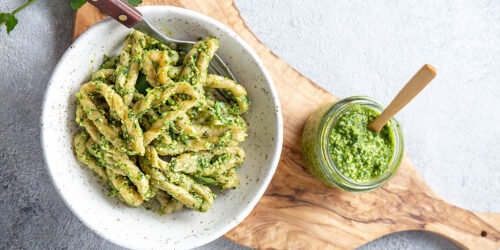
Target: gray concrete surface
x=348, y=47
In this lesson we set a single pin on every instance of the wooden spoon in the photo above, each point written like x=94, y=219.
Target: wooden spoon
x=418, y=82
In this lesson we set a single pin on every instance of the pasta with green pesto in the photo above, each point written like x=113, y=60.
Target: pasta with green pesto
x=155, y=127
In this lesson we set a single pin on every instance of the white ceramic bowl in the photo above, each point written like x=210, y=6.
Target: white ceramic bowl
x=87, y=196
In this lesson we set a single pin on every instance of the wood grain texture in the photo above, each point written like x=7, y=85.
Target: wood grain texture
x=299, y=212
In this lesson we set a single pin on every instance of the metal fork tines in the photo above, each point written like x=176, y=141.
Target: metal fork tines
x=216, y=66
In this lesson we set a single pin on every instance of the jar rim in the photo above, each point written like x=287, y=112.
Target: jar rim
x=326, y=126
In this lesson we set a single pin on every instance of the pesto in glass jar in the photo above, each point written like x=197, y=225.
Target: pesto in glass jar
x=340, y=150
x=358, y=153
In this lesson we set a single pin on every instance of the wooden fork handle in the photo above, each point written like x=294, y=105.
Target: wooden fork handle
x=119, y=10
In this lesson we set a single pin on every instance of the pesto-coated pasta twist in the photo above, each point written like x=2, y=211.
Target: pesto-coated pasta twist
x=180, y=186
x=88, y=153
x=214, y=166
x=152, y=101
x=132, y=132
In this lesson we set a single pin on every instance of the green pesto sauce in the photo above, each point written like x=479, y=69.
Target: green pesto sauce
x=358, y=153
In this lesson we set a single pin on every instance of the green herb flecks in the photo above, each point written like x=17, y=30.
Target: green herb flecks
x=358, y=153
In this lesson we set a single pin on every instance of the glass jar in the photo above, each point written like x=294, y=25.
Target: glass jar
x=316, y=140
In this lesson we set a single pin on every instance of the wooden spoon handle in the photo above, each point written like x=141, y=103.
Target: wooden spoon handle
x=119, y=10
x=418, y=82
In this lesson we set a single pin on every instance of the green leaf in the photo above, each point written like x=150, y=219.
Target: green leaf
x=2, y=17
x=221, y=113
x=10, y=21
x=142, y=85
x=76, y=4
x=134, y=2
x=113, y=192
x=204, y=180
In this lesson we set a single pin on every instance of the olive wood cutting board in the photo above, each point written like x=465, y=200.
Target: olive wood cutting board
x=299, y=212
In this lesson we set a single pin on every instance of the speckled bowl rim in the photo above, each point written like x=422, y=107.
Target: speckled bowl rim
x=279, y=136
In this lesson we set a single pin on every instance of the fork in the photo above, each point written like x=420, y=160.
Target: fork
x=129, y=16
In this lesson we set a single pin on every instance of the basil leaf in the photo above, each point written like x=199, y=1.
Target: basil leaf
x=113, y=192
x=134, y=2
x=204, y=180
x=76, y=4
x=10, y=21
x=142, y=84
x=220, y=112
x=3, y=16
